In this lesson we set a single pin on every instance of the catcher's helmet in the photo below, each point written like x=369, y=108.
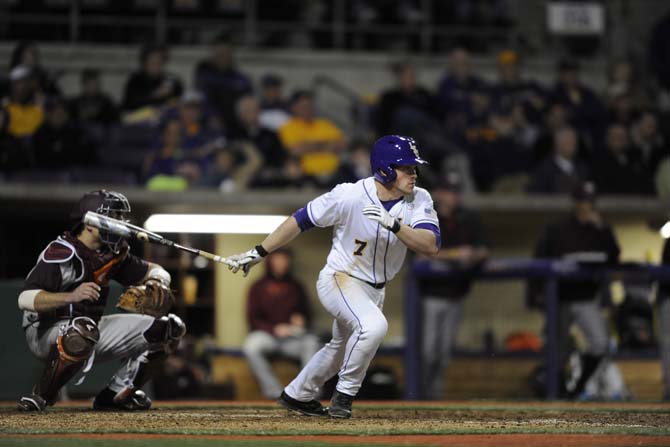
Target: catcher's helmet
x=107, y=203
x=393, y=150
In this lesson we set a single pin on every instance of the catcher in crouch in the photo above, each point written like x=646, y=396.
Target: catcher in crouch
x=63, y=300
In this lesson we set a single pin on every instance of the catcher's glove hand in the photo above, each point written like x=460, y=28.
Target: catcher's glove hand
x=151, y=298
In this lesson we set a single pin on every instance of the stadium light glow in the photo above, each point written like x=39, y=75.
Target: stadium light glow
x=665, y=230
x=213, y=223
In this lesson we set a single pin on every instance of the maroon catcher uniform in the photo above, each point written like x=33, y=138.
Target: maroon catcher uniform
x=64, y=298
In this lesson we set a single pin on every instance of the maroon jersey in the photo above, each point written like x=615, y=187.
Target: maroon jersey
x=272, y=301
x=66, y=263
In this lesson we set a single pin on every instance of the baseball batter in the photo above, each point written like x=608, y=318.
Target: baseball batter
x=63, y=300
x=374, y=221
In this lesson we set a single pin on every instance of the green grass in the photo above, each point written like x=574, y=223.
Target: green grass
x=180, y=442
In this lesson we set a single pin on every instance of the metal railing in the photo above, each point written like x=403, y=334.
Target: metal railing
x=159, y=22
x=550, y=270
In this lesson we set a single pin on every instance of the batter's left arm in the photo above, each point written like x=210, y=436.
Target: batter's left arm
x=419, y=240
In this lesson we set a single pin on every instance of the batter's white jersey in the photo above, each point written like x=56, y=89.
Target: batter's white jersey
x=362, y=248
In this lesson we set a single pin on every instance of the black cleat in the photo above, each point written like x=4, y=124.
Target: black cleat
x=311, y=408
x=126, y=400
x=32, y=403
x=340, y=405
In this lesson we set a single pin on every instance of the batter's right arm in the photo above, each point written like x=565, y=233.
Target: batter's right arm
x=281, y=236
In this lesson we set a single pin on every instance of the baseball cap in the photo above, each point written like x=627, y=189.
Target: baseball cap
x=271, y=80
x=191, y=97
x=451, y=181
x=584, y=191
x=19, y=73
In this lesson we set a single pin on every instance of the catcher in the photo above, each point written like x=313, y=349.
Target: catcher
x=63, y=300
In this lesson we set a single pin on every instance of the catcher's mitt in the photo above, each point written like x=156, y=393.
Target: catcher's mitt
x=150, y=298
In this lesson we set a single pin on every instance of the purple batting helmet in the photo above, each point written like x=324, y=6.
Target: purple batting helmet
x=393, y=150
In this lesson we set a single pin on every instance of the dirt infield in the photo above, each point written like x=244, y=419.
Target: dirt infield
x=374, y=423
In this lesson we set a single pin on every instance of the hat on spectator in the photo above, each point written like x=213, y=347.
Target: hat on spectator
x=452, y=181
x=508, y=57
x=271, y=80
x=19, y=73
x=300, y=94
x=584, y=191
x=191, y=97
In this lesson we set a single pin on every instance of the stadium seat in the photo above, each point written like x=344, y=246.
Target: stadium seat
x=102, y=175
x=128, y=145
x=40, y=176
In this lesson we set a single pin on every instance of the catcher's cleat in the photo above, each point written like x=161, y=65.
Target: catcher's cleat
x=129, y=399
x=340, y=405
x=311, y=408
x=32, y=403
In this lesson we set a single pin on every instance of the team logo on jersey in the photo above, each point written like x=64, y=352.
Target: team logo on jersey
x=429, y=212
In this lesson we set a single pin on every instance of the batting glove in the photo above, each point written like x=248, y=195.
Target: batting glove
x=380, y=215
x=244, y=261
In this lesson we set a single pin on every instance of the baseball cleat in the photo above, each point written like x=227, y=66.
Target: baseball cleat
x=340, y=406
x=32, y=403
x=311, y=408
x=126, y=400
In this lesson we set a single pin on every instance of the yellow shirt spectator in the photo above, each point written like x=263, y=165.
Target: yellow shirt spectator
x=297, y=132
x=24, y=119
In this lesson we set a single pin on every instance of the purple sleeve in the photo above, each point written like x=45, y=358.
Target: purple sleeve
x=303, y=219
x=435, y=229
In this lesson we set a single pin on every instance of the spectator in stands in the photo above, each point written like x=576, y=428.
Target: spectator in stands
x=561, y=171
x=497, y=160
x=274, y=109
x=585, y=111
x=278, y=315
x=511, y=89
x=93, y=107
x=406, y=100
x=648, y=142
x=555, y=118
x=621, y=81
x=356, y=165
x=27, y=54
x=24, y=106
x=464, y=248
x=266, y=141
x=168, y=167
x=582, y=233
x=618, y=169
x=408, y=108
x=151, y=86
x=198, y=139
x=220, y=81
x=60, y=142
x=455, y=91
x=663, y=301
x=659, y=52
x=315, y=141
x=233, y=168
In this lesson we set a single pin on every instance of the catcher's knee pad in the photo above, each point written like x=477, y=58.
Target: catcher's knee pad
x=165, y=329
x=79, y=340
x=73, y=347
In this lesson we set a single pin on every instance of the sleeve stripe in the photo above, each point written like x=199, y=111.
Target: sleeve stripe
x=414, y=224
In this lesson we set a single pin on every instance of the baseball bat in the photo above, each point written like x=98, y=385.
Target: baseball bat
x=130, y=231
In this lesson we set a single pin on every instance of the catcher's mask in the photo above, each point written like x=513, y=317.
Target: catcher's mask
x=107, y=203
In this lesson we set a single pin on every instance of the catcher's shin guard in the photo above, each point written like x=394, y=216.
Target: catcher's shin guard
x=73, y=347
